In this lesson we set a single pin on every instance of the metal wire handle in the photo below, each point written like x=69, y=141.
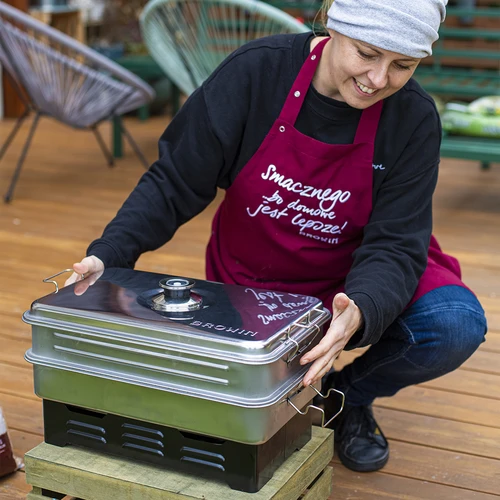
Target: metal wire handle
x=308, y=322
x=299, y=350
x=321, y=409
x=50, y=280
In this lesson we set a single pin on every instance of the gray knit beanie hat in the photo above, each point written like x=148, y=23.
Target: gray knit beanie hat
x=408, y=27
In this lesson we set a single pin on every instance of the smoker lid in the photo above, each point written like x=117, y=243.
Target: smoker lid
x=196, y=314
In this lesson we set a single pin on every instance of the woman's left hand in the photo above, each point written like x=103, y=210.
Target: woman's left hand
x=347, y=319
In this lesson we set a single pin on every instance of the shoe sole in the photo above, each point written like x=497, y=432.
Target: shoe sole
x=357, y=467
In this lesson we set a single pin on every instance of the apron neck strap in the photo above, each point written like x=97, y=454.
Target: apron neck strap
x=300, y=86
x=368, y=123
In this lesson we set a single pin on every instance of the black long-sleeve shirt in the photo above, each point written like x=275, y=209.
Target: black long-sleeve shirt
x=222, y=125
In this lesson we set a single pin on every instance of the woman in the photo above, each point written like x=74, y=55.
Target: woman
x=329, y=153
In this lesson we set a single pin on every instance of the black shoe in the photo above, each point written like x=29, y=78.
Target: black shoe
x=360, y=443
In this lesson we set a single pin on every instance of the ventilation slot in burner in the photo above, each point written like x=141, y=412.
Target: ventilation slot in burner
x=140, y=428
x=216, y=457
x=83, y=431
x=86, y=435
x=140, y=443
x=144, y=449
x=91, y=427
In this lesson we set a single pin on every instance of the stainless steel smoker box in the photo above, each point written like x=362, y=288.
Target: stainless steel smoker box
x=214, y=359
x=227, y=340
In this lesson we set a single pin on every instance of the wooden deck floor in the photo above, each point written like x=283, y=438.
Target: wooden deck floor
x=444, y=435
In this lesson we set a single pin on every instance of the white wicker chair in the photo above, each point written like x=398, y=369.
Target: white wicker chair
x=190, y=38
x=57, y=76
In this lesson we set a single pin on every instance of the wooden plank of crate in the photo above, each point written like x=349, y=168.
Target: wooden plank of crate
x=322, y=487
x=39, y=494
x=298, y=478
x=93, y=476
x=36, y=494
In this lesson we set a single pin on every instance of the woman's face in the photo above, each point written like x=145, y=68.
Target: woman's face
x=361, y=74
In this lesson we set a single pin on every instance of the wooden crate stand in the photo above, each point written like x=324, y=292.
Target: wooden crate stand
x=54, y=472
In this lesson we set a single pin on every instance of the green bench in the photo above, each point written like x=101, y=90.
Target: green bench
x=459, y=68
x=466, y=65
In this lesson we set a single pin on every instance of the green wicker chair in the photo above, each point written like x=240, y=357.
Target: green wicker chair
x=190, y=38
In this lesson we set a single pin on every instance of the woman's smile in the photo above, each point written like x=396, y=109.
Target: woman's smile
x=363, y=89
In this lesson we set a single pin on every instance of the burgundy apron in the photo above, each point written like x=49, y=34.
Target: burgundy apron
x=294, y=215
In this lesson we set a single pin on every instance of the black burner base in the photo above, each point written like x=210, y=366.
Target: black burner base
x=243, y=467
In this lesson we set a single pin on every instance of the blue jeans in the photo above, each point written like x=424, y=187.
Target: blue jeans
x=434, y=336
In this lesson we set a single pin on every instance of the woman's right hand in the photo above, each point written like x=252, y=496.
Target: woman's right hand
x=91, y=268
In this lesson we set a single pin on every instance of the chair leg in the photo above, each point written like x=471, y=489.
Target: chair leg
x=116, y=136
x=134, y=145
x=104, y=149
x=13, y=133
x=10, y=191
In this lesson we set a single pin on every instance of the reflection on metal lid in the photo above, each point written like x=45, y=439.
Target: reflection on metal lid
x=177, y=296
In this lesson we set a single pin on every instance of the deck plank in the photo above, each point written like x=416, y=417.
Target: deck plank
x=484, y=362
x=350, y=485
x=22, y=414
x=464, y=381
x=17, y=381
x=443, y=404
x=444, y=467
x=442, y=433
x=23, y=441
x=12, y=351
x=14, y=486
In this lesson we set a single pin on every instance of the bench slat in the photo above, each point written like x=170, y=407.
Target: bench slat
x=458, y=72
x=459, y=82
x=436, y=87
x=473, y=12
x=470, y=54
x=471, y=148
x=469, y=33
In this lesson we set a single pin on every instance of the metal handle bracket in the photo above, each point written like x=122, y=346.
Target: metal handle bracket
x=318, y=408
x=50, y=280
x=305, y=323
x=300, y=349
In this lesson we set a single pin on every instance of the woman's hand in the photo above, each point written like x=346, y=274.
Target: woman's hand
x=92, y=266
x=347, y=319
